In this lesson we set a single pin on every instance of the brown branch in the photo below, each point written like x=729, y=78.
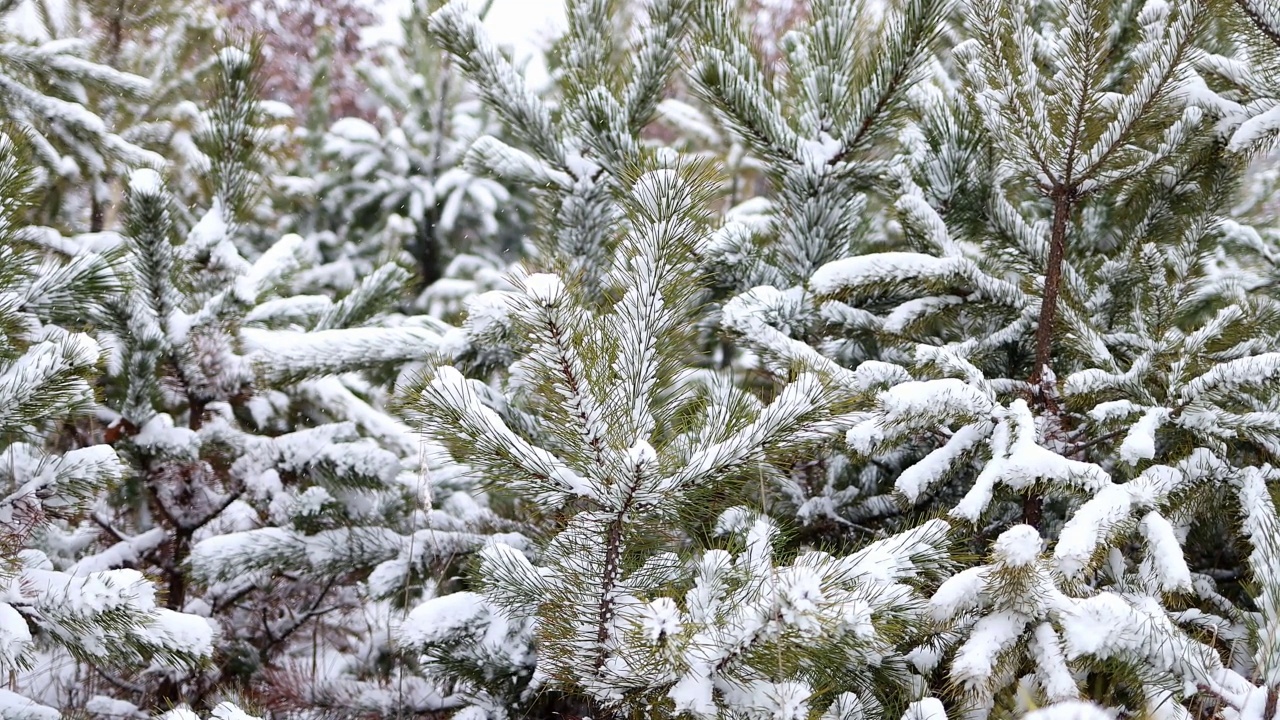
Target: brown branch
x=612, y=559
x=209, y=517
x=221, y=604
x=575, y=385
x=195, y=411
x=175, y=578
x=612, y=555
x=900, y=77
x=106, y=527
x=1062, y=205
x=311, y=613
x=1063, y=198
x=1077, y=449
x=1272, y=33
x=1123, y=138
x=118, y=683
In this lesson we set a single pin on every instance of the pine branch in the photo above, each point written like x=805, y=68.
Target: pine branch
x=1254, y=11
x=1063, y=199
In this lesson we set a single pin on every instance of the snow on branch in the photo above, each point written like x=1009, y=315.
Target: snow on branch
x=289, y=356
x=456, y=414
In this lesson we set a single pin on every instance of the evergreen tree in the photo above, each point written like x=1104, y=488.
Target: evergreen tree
x=108, y=617
x=652, y=586
x=400, y=184
x=654, y=591
x=568, y=154
x=1087, y=374
x=820, y=129
x=172, y=44
x=687, y=128
x=166, y=42
x=263, y=485
x=825, y=130
x=1249, y=79
x=864, y=360
x=1242, y=82
x=52, y=88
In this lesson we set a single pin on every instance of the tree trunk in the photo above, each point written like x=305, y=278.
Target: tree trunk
x=1042, y=372
x=426, y=251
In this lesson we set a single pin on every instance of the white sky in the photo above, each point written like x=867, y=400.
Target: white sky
x=526, y=26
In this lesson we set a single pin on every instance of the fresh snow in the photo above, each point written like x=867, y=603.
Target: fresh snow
x=145, y=182
x=919, y=478
x=1018, y=546
x=1256, y=128
x=600, y=458
x=944, y=399
x=1140, y=443
x=854, y=272
x=1070, y=710
x=440, y=618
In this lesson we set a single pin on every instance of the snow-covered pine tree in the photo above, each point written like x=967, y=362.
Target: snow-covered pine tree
x=689, y=129
x=172, y=44
x=614, y=246
x=109, y=618
x=399, y=184
x=568, y=151
x=263, y=484
x=1242, y=74
x=558, y=150
x=1249, y=80
x=240, y=137
x=653, y=588
x=163, y=41
x=52, y=88
x=821, y=126
x=824, y=126
x=1086, y=375
x=687, y=126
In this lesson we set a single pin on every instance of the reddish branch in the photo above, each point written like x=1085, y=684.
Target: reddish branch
x=1063, y=197
x=1272, y=32
x=1052, y=283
